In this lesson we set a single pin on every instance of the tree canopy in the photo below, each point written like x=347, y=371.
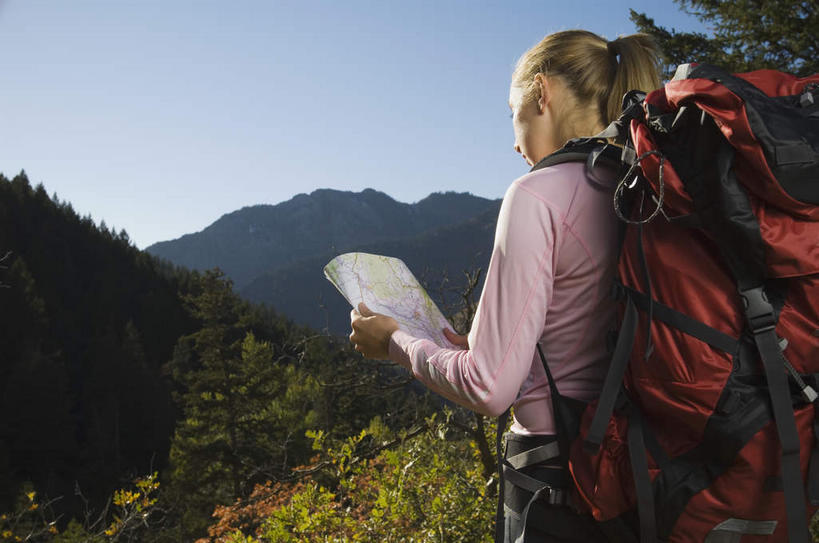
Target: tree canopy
x=747, y=35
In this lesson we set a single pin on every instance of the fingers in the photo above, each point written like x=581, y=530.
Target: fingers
x=371, y=332
x=355, y=335
x=456, y=339
x=364, y=310
x=354, y=339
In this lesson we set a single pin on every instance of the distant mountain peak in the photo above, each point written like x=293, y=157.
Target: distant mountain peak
x=253, y=240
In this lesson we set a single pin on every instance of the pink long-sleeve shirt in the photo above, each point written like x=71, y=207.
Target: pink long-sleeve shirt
x=549, y=281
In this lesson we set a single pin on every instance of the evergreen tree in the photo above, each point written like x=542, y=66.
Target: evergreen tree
x=244, y=412
x=36, y=429
x=747, y=35
x=87, y=323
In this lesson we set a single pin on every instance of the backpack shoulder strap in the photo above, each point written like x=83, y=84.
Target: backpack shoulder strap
x=593, y=151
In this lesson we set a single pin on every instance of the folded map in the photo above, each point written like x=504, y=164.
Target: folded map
x=387, y=286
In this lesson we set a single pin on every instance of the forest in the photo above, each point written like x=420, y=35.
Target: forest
x=140, y=401
x=146, y=402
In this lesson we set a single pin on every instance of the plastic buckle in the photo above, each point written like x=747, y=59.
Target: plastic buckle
x=758, y=311
x=632, y=104
x=628, y=155
x=556, y=496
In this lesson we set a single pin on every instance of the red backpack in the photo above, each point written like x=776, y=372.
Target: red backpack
x=706, y=428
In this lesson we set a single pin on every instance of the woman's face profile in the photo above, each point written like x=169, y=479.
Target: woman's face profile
x=530, y=126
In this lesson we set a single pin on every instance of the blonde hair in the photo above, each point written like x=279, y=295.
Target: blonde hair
x=595, y=71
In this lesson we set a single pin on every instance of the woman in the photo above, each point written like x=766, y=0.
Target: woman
x=550, y=273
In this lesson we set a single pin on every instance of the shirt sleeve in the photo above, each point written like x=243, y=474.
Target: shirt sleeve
x=510, y=316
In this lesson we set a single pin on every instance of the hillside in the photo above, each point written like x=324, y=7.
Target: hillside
x=262, y=239
x=301, y=291
x=88, y=322
x=118, y=370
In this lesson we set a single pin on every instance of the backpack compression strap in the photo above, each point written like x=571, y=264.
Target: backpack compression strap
x=725, y=211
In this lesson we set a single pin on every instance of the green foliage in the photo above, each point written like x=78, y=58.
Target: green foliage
x=248, y=386
x=133, y=509
x=747, y=35
x=75, y=533
x=34, y=521
x=116, y=363
x=426, y=484
x=429, y=488
x=245, y=410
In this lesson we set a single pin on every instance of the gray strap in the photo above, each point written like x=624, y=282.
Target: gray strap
x=813, y=466
x=614, y=379
x=642, y=478
x=521, y=480
x=539, y=489
x=611, y=131
x=525, y=517
x=544, y=453
x=732, y=530
x=779, y=390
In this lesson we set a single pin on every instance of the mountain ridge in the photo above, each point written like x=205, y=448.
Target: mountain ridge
x=254, y=240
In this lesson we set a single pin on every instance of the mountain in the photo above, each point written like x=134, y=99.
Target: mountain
x=301, y=292
x=261, y=239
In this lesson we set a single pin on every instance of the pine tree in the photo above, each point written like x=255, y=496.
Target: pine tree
x=747, y=35
x=242, y=411
x=36, y=429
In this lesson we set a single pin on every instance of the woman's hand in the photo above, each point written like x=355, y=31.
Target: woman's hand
x=455, y=339
x=371, y=332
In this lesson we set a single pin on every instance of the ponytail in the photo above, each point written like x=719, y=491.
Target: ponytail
x=634, y=66
x=597, y=72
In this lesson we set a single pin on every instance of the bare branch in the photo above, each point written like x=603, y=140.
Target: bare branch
x=3, y=266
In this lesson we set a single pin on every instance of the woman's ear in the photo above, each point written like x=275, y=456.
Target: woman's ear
x=544, y=94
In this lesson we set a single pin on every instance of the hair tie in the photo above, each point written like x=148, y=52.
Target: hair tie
x=613, y=50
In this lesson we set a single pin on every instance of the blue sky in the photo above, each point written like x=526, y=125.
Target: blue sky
x=159, y=116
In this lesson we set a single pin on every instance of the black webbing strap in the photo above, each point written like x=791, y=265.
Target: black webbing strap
x=614, y=379
x=684, y=323
x=654, y=449
x=649, y=289
x=499, y=528
x=560, y=418
x=554, y=491
x=592, y=151
x=558, y=481
x=632, y=108
x=813, y=470
x=642, y=478
x=772, y=360
x=544, y=491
